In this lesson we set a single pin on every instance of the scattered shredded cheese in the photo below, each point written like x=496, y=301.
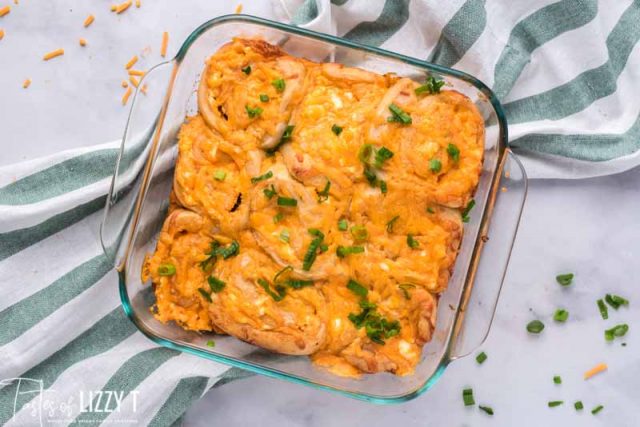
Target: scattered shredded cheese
x=507, y=174
x=165, y=43
x=138, y=3
x=83, y=42
x=123, y=6
x=131, y=62
x=53, y=54
x=15, y=2
x=143, y=89
x=1, y=34
x=26, y=83
x=5, y=10
x=503, y=189
x=134, y=81
x=136, y=73
x=114, y=7
x=124, y=84
x=89, y=20
x=239, y=8
x=595, y=370
x=126, y=96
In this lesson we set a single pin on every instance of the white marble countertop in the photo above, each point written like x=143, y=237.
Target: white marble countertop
x=589, y=227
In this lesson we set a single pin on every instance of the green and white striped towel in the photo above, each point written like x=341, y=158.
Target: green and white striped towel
x=567, y=72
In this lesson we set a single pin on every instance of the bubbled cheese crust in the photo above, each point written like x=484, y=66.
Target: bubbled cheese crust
x=215, y=199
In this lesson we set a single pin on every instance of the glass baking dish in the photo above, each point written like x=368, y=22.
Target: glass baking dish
x=138, y=200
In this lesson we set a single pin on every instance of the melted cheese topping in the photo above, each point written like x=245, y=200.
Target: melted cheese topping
x=300, y=127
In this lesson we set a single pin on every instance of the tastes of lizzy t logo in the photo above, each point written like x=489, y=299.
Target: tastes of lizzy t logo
x=25, y=401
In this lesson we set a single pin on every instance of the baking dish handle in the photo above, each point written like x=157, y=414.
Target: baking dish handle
x=132, y=162
x=478, y=308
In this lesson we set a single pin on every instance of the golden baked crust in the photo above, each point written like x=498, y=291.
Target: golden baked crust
x=309, y=218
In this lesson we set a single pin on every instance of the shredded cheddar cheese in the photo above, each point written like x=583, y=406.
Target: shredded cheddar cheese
x=138, y=3
x=165, y=43
x=53, y=54
x=131, y=62
x=89, y=20
x=143, y=89
x=126, y=96
x=26, y=83
x=1, y=34
x=114, y=7
x=124, y=84
x=4, y=11
x=239, y=8
x=136, y=73
x=134, y=81
x=83, y=42
x=595, y=370
x=123, y=6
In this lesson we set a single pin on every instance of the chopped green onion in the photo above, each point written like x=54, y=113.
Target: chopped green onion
x=284, y=235
x=391, y=222
x=343, y=225
x=398, y=115
x=535, y=327
x=467, y=397
x=324, y=247
x=617, y=331
x=561, y=315
x=578, y=405
x=280, y=291
x=564, y=279
x=205, y=294
x=411, y=242
x=220, y=175
x=364, y=153
x=467, y=210
x=431, y=210
x=383, y=187
x=604, y=312
x=324, y=194
x=287, y=201
x=299, y=284
x=211, y=343
x=267, y=175
x=615, y=301
x=229, y=251
x=357, y=288
x=435, y=165
x=278, y=217
x=336, y=129
x=431, y=85
x=247, y=70
x=555, y=403
x=215, y=284
x=253, y=112
x=557, y=379
x=270, y=192
x=404, y=287
x=343, y=251
x=487, y=409
x=288, y=132
x=279, y=84
x=166, y=269
x=264, y=97
x=480, y=358
x=285, y=270
x=382, y=155
x=312, y=250
x=597, y=409
x=370, y=175
x=359, y=233
x=453, y=152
